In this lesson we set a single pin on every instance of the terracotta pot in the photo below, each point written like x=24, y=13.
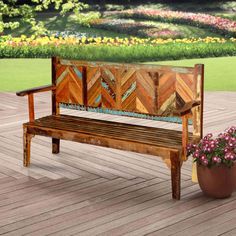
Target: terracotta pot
x=218, y=181
x=234, y=173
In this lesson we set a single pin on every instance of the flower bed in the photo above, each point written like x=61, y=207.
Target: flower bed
x=116, y=49
x=58, y=40
x=215, y=23
x=140, y=29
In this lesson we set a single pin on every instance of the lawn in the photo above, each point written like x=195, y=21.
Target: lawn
x=17, y=74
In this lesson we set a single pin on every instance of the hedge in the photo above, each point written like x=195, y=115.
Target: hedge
x=123, y=53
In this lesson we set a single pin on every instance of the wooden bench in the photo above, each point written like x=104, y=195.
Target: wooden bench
x=155, y=92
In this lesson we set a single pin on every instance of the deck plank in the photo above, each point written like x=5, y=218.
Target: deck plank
x=230, y=233
x=182, y=226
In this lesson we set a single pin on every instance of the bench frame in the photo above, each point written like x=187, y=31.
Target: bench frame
x=175, y=156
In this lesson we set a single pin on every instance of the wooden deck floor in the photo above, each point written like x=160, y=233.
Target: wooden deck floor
x=88, y=190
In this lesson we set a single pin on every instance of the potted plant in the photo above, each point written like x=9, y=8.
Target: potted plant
x=216, y=163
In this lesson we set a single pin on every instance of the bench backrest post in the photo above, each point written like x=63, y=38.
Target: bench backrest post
x=198, y=111
x=55, y=104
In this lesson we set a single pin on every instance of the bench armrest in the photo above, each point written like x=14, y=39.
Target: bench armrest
x=36, y=90
x=185, y=112
x=30, y=93
x=186, y=109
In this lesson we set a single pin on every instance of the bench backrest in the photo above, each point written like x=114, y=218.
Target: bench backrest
x=142, y=89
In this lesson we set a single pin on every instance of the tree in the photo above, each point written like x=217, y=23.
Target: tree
x=12, y=10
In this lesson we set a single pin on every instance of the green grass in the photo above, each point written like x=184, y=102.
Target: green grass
x=17, y=74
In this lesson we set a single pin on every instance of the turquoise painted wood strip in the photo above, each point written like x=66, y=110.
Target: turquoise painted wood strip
x=98, y=99
x=105, y=85
x=78, y=73
x=170, y=119
x=129, y=91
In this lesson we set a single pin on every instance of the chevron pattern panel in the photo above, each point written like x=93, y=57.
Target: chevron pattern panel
x=175, y=90
x=166, y=93
x=122, y=88
x=108, y=86
x=69, y=84
x=101, y=87
x=147, y=91
x=128, y=86
x=185, y=88
x=94, y=88
x=153, y=90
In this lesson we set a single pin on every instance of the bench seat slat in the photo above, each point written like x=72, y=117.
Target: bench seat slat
x=135, y=133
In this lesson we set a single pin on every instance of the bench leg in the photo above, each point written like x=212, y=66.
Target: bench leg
x=26, y=145
x=175, y=174
x=55, y=145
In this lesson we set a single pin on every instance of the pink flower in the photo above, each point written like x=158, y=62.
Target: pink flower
x=226, y=150
x=216, y=159
x=221, y=150
x=231, y=144
x=196, y=154
x=205, y=162
x=210, y=135
x=229, y=156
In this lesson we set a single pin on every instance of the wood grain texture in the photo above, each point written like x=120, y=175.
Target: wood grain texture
x=36, y=90
x=185, y=137
x=146, y=89
x=69, y=83
x=176, y=162
x=31, y=107
x=198, y=111
x=26, y=147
